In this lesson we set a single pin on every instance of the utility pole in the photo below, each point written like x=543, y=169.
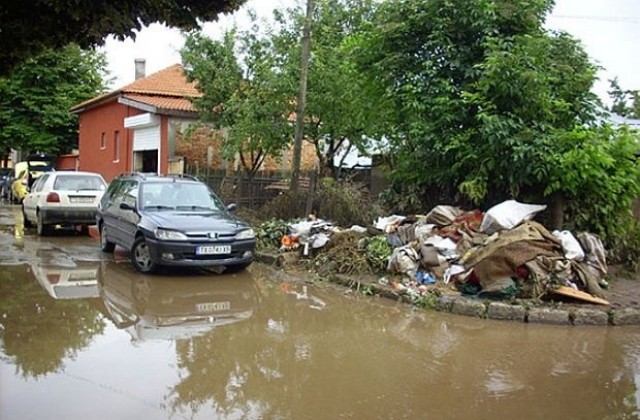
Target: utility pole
x=300, y=105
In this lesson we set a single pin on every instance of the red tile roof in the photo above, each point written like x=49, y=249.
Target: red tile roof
x=170, y=81
x=163, y=102
x=167, y=90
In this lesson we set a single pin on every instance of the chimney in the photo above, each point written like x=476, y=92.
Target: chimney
x=140, y=68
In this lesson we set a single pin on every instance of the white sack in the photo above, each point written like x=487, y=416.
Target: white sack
x=570, y=245
x=386, y=224
x=508, y=215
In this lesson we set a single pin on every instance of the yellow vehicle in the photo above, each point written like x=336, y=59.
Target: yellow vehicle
x=25, y=173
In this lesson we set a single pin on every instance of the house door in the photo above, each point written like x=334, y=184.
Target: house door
x=146, y=149
x=146, y=161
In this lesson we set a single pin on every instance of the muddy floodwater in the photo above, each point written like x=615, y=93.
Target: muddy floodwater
x=82, y=336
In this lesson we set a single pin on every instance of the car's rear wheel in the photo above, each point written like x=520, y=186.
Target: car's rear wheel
x=141, y=256
x=105, y=245
x=40, y=226
x=27, y=223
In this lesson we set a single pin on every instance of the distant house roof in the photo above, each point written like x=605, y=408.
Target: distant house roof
x=619, y=120
x=164, y=92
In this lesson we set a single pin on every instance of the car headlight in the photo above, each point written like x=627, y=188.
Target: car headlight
x=246, y=234
x=169, y=235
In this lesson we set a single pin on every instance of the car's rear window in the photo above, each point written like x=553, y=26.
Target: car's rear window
x=79, y=183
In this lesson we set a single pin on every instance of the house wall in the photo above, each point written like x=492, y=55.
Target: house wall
x=109, y=119
x=163, y=165
x=195, y=150
x=95, y=156
x=68, y=162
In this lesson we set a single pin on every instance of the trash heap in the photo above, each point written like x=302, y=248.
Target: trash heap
x=502, y=253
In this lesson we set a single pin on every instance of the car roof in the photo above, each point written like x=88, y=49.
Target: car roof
x=160, y=178
x=75, y=173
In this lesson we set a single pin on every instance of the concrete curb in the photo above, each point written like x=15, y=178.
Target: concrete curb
x=480, y=308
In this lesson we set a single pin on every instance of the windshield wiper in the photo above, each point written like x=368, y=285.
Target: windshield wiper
x=207, y=208
x=159, y=207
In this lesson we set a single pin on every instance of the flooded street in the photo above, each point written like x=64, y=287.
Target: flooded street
x=83, y=336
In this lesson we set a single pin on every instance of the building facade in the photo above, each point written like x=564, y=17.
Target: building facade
x=133, y=129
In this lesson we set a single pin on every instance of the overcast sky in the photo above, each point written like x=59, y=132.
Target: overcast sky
x=608, y=29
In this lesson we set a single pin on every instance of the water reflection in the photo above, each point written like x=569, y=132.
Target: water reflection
x=76, y=282
x=178, y=307
x=252, y=345
x=39, y=334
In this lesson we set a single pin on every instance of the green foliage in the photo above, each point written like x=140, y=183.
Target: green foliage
x=426, y=301
x=625, y=102
x=344, y=108
x=476, y=87
x=622, y=241
x=248, y=96
x=378, y=253
x=270, y=233
x=35, y=99
x=490, y=105
x=29, y=27
x=403, y=199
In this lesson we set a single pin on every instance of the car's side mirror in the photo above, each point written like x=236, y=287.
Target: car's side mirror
x=127, y=206
x=231, y=207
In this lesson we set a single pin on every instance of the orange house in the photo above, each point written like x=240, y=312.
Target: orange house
x=133, y=129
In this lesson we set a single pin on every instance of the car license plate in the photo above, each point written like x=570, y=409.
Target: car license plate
x=81, y=200
x=213, y=250
x=213, y=306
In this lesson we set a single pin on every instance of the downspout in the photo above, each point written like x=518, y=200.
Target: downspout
x=129, y=144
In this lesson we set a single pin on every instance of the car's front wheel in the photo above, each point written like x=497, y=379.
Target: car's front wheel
x=141, y=256
x=105, y=245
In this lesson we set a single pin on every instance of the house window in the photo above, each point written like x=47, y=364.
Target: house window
x=103, y=141
x=116, y=146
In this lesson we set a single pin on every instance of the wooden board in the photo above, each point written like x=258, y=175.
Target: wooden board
x=578, y=294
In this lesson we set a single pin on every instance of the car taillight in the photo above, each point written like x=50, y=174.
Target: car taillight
x=53, y=278
x=53, y=198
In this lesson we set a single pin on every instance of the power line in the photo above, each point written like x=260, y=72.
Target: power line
x=624, y=19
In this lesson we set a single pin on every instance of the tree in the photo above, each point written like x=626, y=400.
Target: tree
x=343, y=109
x=37, y=94
x=28, y=27
x=490, y=105
x=626, y=103
x=246, y=95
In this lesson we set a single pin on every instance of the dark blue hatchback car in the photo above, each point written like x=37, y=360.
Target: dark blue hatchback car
x=172, y=220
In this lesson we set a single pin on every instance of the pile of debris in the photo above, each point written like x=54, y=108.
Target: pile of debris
x=502, y=253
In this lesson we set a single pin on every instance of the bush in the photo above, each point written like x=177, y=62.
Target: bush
x=344, y=254
x=623, y=244
x=342, y=203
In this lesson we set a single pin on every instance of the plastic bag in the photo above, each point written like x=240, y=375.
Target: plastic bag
x=570, y=245
x=508, y=215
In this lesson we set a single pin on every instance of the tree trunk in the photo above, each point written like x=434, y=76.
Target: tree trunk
x=302, y=97
x=556, y=211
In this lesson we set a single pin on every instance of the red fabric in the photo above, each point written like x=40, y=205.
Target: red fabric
x=469, y=221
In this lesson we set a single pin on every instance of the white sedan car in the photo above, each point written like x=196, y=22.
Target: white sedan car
x=63, y=198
